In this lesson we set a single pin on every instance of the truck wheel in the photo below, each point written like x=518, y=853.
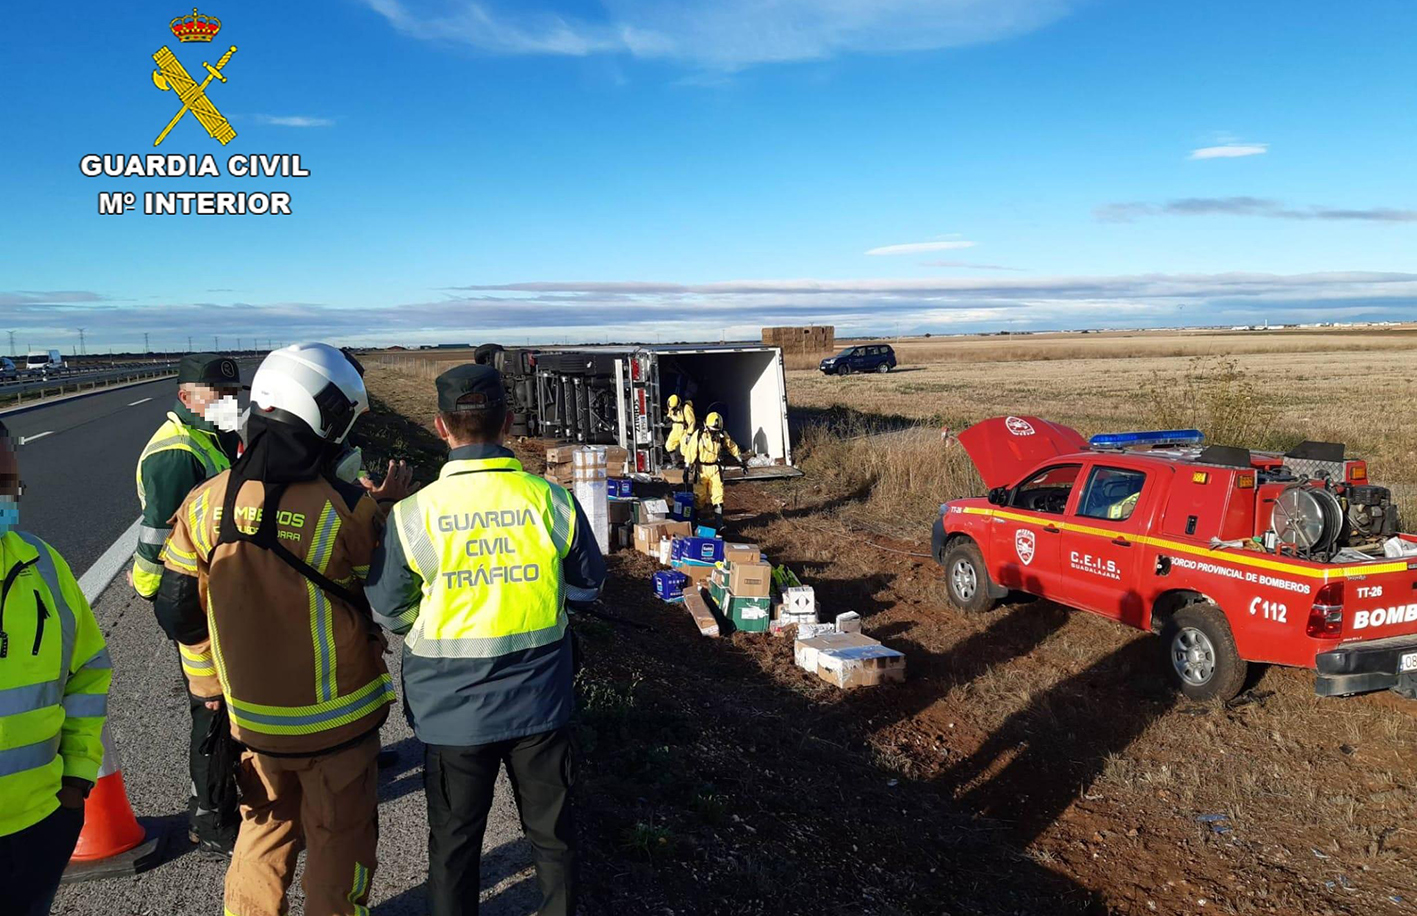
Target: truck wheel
x=883, y=367
x=1199, y=653
x=966, y=577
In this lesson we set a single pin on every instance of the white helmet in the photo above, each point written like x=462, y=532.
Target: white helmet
x=314, y=384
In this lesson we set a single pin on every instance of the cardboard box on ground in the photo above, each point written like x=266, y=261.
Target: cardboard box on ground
x=849, y=660
x=698, y=609
x=648, y=535
x=741, y=586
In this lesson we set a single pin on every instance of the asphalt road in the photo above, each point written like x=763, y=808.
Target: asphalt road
x=78, y=470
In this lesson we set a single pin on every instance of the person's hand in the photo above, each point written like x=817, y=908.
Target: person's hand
x=213, y=704
x=398, y=483
x=71, y=797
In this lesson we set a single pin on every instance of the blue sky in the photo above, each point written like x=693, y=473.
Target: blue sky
x=628, y=168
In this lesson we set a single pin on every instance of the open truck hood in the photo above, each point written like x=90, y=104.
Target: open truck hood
x=1005, y=448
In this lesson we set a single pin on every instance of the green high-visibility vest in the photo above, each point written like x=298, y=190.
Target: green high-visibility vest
x=172, y=435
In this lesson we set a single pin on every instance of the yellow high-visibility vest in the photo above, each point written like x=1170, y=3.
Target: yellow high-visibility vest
x=54, y=677
x=487, y=541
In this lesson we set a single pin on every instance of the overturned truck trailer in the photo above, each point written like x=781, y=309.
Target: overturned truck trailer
x=616, y=396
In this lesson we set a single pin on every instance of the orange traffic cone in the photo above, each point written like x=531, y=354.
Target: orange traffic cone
x=112, y=843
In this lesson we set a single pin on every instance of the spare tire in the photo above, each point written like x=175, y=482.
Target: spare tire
x=486, y=355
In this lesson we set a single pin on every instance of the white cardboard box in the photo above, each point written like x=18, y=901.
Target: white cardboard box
x=849, y=667
x=805, y=650
x=800, y=599
x=848, y=622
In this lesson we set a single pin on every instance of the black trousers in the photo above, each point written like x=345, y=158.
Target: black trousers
x=206, y=781
x=459, y=783
x=32, y=861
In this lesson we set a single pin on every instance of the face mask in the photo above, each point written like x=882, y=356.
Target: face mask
x=9, y=513
x=224, y=414
x=349, y=465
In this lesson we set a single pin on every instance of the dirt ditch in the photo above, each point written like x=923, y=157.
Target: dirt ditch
x=1034, y=762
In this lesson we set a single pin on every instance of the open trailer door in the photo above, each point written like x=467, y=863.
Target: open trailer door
x=748, y=387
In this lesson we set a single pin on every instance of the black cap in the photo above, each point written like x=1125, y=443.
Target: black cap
x=209, y=369
x=470, y=387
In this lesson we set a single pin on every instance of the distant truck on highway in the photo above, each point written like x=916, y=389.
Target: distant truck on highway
x=44, y=362
x=1232, y=556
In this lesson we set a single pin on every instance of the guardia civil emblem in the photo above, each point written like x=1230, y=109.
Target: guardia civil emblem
x=171, y=75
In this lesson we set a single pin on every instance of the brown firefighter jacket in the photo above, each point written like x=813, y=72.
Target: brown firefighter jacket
x=302, y=670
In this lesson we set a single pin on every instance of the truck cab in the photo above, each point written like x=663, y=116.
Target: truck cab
x=1202, y=545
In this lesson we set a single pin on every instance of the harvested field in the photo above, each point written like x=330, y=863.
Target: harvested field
x=1035, y=761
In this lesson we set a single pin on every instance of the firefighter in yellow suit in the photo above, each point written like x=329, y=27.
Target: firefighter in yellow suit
x=705, y=453
x=684, y=425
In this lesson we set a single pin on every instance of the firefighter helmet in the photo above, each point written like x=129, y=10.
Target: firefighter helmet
x=714, y=421
x=312, y=384
x=673, y=401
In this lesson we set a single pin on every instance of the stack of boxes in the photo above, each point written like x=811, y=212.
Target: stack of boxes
x=798, y=608
x=695, y=557
x=621, y=494
x=560, y=462
x=590, y=484
x=741, y=586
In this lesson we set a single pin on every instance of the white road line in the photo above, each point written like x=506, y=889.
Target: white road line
x=24, y=439
x=96, y=579
x=143, y=401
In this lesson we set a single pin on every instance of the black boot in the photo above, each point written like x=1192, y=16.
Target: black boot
x=210, y=831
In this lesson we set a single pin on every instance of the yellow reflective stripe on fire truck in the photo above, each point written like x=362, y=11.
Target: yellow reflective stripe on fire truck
x=1238, y=558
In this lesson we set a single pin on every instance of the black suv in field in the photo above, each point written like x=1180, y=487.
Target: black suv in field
x=865, y=358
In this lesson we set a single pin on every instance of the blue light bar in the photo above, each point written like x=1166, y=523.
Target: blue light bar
x=1153, y=439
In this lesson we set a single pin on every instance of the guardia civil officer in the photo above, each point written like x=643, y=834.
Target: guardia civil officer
x=54, y=677
x=476, y=570
x=197, y=441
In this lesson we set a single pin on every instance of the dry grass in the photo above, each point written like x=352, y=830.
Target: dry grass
x=1357, y=389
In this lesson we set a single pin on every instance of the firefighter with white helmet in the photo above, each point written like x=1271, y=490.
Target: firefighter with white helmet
x=263, y=587
x=683, y=425
x=705, y=453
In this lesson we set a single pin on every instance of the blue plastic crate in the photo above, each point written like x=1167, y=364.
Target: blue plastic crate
x=683, y=506
x=701, y=550
x=669, y=585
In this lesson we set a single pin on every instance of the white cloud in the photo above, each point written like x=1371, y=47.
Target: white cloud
x=558, y=310
x=917, y=247
x=1230, y=151
x=294, y=121
x=723, y=34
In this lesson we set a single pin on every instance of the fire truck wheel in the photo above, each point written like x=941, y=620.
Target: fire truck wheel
x=967, y=578
x=1200, y=656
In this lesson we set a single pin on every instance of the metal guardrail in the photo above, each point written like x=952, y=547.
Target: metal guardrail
x=59, y=384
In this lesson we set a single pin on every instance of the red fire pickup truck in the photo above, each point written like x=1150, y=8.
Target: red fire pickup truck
x=1232, y=556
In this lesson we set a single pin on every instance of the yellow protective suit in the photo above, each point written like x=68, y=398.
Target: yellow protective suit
x=705, y=449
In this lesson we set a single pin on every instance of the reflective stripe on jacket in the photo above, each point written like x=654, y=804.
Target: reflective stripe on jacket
x=474, y=570
x=302, y=671
x=180, y=455
x=54, y=677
